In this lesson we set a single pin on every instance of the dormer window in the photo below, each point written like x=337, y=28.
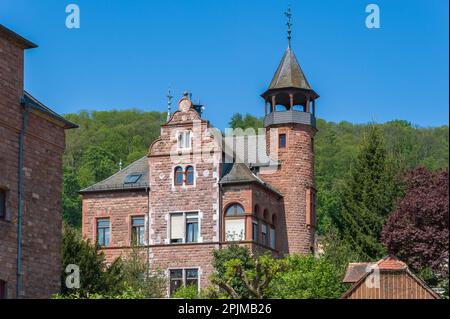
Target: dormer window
x=132, y=178
x=184, y=140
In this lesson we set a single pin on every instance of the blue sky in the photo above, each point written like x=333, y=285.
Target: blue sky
x=127, y=53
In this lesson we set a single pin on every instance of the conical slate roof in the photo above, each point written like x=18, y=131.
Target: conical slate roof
x=289, y=74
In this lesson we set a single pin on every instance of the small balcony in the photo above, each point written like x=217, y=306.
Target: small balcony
x=290, y=116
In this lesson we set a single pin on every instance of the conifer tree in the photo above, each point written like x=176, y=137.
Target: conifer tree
x=367, y=196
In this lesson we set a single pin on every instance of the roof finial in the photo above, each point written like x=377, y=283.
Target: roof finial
x=288, y=14
x=120, y=164
x=169, y=104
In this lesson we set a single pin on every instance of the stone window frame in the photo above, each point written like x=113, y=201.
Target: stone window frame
x=184, y=168
x=5, y=209
x=130, y=228
x=191, y=139
x=185, y=212
x=183, y=269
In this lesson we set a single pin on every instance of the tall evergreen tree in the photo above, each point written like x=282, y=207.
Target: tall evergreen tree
x=367, y=196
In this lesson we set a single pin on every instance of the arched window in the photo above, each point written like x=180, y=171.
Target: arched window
x=234, y=210
x=178, y=176
x=189, y=175
x=264, y=227
x=234, y=223
x=256, y=211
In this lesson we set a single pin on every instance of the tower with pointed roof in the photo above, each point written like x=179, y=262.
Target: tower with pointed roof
x=290, y=123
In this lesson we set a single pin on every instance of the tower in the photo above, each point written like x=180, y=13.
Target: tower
x=290, y=123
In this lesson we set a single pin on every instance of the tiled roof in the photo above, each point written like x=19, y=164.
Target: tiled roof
x=356, y=271
x=117, y=181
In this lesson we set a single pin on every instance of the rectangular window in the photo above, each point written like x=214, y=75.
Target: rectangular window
x=2, y=289
x=255, y=231
x=184, y=228
x=137, y=230
x=192, y=228
x=311, y=207
x=234, y=229
x=2, y=204
x=192, y=277
x=176, y=228
x=264, y=234
x=282, y=141
x=103, y=232
x=272, y=237
x=176, y=280
x=183, y=277
x=184, y=140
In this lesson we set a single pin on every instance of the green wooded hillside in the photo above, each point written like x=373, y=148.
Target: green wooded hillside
x=105, y=138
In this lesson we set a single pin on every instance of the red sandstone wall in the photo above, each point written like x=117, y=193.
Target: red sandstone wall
x=119, y=207
x=43, y=148
x=295, y=175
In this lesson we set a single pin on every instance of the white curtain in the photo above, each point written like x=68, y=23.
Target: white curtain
x=235, y=229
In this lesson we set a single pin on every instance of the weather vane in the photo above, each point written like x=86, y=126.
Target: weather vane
x=288, y=14
x=169, y=104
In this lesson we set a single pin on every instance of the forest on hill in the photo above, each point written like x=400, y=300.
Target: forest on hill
x=107, y=138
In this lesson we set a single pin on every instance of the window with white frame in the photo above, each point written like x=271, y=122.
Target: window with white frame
x=184, y=227
x=184, y=140
x=234, y=223
x=183, y=277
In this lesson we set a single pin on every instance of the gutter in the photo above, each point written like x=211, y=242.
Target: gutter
x=20, y=195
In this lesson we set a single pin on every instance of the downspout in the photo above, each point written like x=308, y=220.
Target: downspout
x=148, y=232
x=20, y=195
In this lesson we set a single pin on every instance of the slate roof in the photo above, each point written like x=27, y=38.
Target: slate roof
x=240, y=173
x=117, y=181
x=249, y=149
x=30, y=101
x=289, y=74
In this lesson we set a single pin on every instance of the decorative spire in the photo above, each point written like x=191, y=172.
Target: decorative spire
x=288, y=14
x=169, y=104
x=120, y=164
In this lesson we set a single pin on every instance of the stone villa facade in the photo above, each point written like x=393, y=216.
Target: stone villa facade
x=199, y=189
x=31, y=147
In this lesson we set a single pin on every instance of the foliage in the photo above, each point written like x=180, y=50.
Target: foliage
x=232, y=252
x=338, y=252
x=417, y=230
x=307, y=277
x=367, y=196
x=94, y=150
x=255, y=276
x=123, y=278
x=91, y=262
x=244, y=122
